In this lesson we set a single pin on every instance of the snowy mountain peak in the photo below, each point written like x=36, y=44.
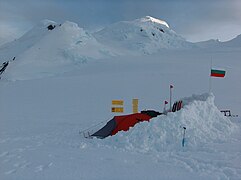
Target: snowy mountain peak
x=146, y=35
x=70, y=25
x=155, y=20
x=46, y=22
x=50, y=48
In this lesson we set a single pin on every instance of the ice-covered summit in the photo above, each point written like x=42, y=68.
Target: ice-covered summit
x=154, y=20
x=146, y=35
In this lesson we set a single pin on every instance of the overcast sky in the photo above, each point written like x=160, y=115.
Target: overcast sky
x=195, y=20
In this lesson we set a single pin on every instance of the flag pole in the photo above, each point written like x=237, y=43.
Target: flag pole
x=210, y=78
x=171, y=97
x=165, y=109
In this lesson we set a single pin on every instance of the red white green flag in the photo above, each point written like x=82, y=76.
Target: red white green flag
x=217, y=73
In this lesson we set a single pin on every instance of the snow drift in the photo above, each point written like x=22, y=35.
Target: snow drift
x=203, y=121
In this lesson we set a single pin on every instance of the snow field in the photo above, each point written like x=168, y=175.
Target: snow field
x=63, y=81
x=41, y=119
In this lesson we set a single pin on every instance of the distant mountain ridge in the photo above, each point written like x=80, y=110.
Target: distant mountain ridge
x=50, y=48
x=146, y=35
x=235, y=42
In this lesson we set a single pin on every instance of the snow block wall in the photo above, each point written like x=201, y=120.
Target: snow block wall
x=203, y=121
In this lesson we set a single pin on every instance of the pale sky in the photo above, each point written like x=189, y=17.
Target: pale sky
x=195, y=20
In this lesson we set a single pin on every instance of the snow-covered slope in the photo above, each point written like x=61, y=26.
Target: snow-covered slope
x=235, y=42
x=14, y=48
x=42, y=52
x=45, y=52
x=8, y=33
x=145, y=35
x=4, y=40
x=209, y=43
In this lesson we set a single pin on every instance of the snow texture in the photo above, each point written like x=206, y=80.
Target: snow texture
x=62, y=81
x=200, y=116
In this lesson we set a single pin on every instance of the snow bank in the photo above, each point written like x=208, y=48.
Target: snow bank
x=203, y=121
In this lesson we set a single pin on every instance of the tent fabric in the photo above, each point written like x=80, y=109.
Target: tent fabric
x=106, y=130
x=151, y=113
x=123, y=123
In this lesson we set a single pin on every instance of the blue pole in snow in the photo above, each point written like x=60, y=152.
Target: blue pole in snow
x=183, y=139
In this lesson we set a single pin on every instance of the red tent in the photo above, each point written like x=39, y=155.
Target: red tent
x=123, y=123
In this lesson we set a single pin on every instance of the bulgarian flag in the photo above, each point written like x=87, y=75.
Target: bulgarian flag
x=217, y=73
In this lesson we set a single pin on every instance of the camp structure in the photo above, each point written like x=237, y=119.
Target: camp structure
x=123, y=123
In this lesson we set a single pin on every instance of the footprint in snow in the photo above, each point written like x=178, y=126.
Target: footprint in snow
x=4, y=154
x=22, y=165
x=3, y=140
x=42, y=167
x=39, y=168
x=11, y=171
